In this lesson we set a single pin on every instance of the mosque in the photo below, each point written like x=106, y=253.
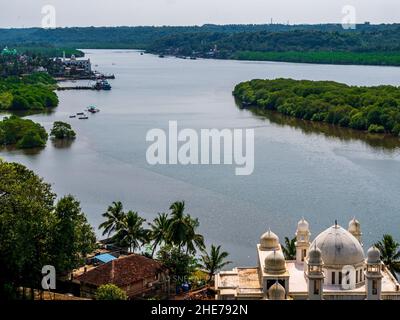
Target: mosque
x=332, y=267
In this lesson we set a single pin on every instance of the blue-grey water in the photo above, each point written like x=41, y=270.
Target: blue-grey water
x=298, y=171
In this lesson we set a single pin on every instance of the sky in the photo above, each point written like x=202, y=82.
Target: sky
x=28, y=13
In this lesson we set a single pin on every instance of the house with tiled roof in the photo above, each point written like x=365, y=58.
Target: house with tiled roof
x=137, y=275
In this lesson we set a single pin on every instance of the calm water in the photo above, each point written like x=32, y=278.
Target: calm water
x=314, y=171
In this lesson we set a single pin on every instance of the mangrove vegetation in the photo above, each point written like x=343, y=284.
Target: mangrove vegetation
x=373, y=109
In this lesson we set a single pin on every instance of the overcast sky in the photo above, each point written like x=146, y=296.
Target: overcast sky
x=26, y=13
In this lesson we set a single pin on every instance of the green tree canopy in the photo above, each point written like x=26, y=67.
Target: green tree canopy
x=214, y=261
x=376, y=109
x=62, y=130
x=73, y=237
x=34, y=232
x=23, y=133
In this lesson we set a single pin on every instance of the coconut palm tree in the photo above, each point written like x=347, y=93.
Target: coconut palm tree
x=214, y=261
x=130, y=231
x=390, y=253
x=178, y=228
x=289, y=249
x=114, y=215
x=159, y=231
x=193, y=240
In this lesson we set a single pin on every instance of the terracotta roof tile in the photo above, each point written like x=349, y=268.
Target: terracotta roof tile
x=122, y=271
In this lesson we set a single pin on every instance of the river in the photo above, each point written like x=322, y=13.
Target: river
x=315, y=171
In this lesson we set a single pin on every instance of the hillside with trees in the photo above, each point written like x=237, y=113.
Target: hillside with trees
x=374, y=48
x=319, y=43
x=376, y=109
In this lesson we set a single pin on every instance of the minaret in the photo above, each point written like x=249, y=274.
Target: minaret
x=302, y=240
x=373, y=275
x=315, y=274
x=355, y=229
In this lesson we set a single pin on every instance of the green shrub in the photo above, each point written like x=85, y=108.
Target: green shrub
x=110, y=292
x=375, y=128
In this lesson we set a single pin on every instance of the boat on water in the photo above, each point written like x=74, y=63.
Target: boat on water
x=93, y=109
x=161, y=56
x=80, y=113
x=102, y=84
x=72, y=116
x=83, y=117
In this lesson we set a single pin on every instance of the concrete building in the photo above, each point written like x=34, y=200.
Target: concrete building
x=332, y=267
x=77, y=65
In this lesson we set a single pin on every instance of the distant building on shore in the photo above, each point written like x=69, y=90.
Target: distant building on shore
x=75, y=65
x=332, y=267
x=9, y=52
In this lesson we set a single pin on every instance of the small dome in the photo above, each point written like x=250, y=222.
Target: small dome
x=373, y=255
x=276, y=292
x=269, y=241
x=339, y=247
x=275, y=263
x=354, y=226
x=315, y=256
x=302, y=225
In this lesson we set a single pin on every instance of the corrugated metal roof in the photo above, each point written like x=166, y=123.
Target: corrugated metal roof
x=105, y=257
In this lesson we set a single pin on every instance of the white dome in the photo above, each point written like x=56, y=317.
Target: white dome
x=275, y=263
x=302, y=225
x=339, y=247
x=373, y=255
x=269, y=241
x=276, y=292
x=354, y=226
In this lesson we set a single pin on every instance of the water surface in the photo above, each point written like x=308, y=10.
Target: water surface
x=319, y=172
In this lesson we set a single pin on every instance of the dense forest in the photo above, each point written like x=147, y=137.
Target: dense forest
x=380, y=47
x=376, y=109
x=31, y=92
x=142, y=36
x=323, y=43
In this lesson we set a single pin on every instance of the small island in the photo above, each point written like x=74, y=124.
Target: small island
x=62, y=131
x=22, y=133
x=372, y=109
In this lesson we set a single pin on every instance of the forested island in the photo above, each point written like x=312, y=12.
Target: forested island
x=321, y=43
x=376, y=109
x=22, y=133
